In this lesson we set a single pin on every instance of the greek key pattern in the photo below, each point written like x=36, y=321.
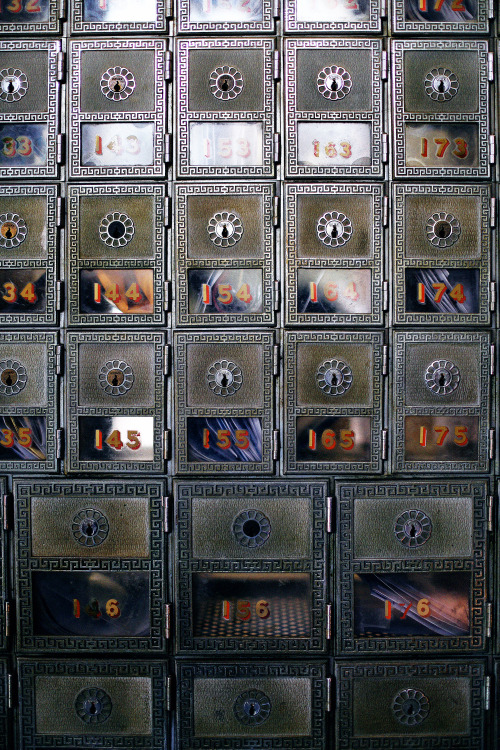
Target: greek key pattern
x=80, y=26
x=185, y=26
x=50, y=26
x=401, y=262
x=478, y=26
x=294, y=26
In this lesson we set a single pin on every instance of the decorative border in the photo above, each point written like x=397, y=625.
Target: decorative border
x=401, y=117
x=293, y=26
x=80, y=26
x=25, y=563
x=291, y=343
x=265, y=340
x=347, y=673
x=49, y=264
x=401, y=410
x=49, y=411
x=401, y=262
x=183, y=263
x=51, y=26
x=156, y=115
x=30, y=669
x=186, y=564
x=401, y=26
x=75, y=264
x=185, y=117
x=347, y=565
x=49, y=118
x=74, y=411
x=293, y=116
x=188, y=672
x=185, y=26
x=294, y=261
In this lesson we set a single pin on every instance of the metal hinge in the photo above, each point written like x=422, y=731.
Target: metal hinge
x=167, y=149
x=166, y=296
x=168, y=618
x=59, y=148
x=329, y=514
x=166, y=444
x=168, y=9
x=491, y=74
x=166, y=211
x=276, y=149
x=493, y=212
x=276, y=67
x=385, y=211
x=169, y=692
x=276, y=445
x=166, y=360
x=487, y=691
x=168, y=65
x=492, y=444
x=492, y=149
x=328, y=622
x=492, y=359
x=384, y=445
x=5, y=504
x=59, y=294
x=59, y=350
x=328, y=706
x=7, y=619
x=276, y=359
x=383, y=72
x=166, y=514
x=59, y=442
x=276, y=8
x=491, y=9
x=62, y=8
x=385, y=359
x=489, y=616
x=60, y=66
x=383, y=8
x=490, y=513
x=385, y=297
x=277, y=296
x=493, y=296
x=385, y=147
x=10, y=701
x=276, y=211
x=59, y=212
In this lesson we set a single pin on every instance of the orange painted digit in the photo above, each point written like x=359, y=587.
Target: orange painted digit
x=442, y=433
x=11, y=292
x=461, y=150
x=440, y=290
x=443, y=144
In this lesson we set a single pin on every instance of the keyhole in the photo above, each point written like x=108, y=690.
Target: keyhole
x=117, y=87
x=335, y=378
x=115, y=380
x=10, y=87
x=332, y=84
x=8, y=233
x=334, y=232
x=224, y=381
x=412, y=530
x=441, y=86
x=442, y=231
x=442, y=380
x=251, y=709
x=89, y=531
x=92, y=708
x=224, y=84
x=9, y=380
x=225, y=232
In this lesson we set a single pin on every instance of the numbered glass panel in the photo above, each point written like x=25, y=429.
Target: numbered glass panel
x=224, y=253
x=333, y=402
x=225, y=107
x=224, y=397
x=411, y=704
x=279, y=704
x=116, y=254
x=106, y=703
x=411, y=572
x=29, y=109
x=30, y=16
x=334, y=254
x=333, y=105
x=441, y=110
x=118, y=16
x=225, y=16
x=90, y=566
x=442, y=250
x=245, y=576
x=28, y=401
x=441, y=401
x=441, y=16
x=28, y=254
x=4, y=562
x=332, y=16
x=117, y=108
x=114, y=401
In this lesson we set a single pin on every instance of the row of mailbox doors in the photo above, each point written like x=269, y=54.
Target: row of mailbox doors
x=274, y=705
x=249, y=568
x=255, y=16
x=334, y=108
x=229, y=243
x=333, y=389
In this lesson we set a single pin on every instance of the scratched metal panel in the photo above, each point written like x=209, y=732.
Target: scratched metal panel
x=411, y=567
x=117, y=108
x=86, y=703
x=29, y=108
x=28, y=401
x=116, y=255
x=423, y=704
x=90, y=571
x=117, y=17
x=324, y=17
x=441, y=16
x=4, y=713
x=251, y=567
x=271, y=705
x=4, y=564
x=333, y=394
x=115, y=401
x=333, y=107
x=441, y=109
x=441, y=401
x=334, y=254
x=30, y=17
x=224, y=242
x=226, y=16
x=28, y=254
x=225, y=118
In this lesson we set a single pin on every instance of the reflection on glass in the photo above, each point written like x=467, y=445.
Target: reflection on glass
x=116, y=438
x=23, y=438
x=232, y=144
x=225, y=291
x=117, y=291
